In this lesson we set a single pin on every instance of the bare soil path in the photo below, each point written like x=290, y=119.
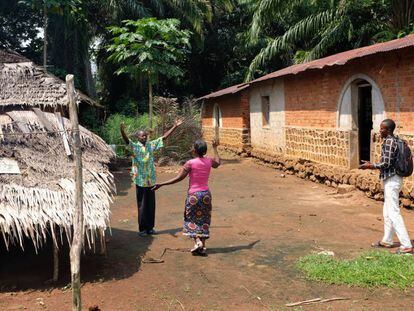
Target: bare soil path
x=262, y=223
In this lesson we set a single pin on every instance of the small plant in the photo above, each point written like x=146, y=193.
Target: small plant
x=372, y=269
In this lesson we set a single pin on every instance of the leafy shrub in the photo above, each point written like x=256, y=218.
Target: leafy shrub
x=111, y=131
x=179, y=144
x=166, y=111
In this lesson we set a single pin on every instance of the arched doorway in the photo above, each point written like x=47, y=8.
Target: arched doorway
x=360, y=111
x=217, y=122
x=365, y=124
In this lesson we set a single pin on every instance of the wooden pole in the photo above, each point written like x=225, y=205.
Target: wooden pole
x=45, y=25
x=150, y=101
x=76, y=246
x=55, y=257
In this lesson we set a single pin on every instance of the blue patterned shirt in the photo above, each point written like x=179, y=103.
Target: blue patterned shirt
x=389, y=152
x=143, y=168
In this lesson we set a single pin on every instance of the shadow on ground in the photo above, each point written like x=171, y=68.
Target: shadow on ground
x=26, y=270
x=231, y=249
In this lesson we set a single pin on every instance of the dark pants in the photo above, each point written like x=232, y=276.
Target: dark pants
x=146, y=208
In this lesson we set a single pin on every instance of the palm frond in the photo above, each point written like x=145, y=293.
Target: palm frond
x=194, y=11
x=308, y=26
x=299, y=32
x=333, y=34
x=274, y=46
x=261, y=11
x=223, y=5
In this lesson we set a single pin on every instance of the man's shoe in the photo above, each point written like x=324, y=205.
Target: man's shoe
x=151, y=232
x=403, y=251
x=143, y=233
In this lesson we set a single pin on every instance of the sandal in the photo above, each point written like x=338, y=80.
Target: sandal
x=381, y=244
x=403, y=251
x=197, y=246
x=200, y=252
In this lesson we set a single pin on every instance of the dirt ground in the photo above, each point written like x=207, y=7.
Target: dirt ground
x=262, y=223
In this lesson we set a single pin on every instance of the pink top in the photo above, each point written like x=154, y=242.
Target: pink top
x=199, y=171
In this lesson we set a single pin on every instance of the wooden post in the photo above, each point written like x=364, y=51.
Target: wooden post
x=77, y=241
x=55, y=255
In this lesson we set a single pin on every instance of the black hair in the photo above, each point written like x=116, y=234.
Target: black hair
x=139, y=132
x=390, y=124
x=200, y=147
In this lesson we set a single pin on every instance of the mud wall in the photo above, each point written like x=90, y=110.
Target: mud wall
x=327, y=146
x=235, y=139
x=234, y=130
x=306, y=161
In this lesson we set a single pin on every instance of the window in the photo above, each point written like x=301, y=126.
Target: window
x=217, y=116
x=265, y=110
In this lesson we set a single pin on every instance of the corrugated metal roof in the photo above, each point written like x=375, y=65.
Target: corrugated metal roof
x=230, y=90
x=341, y=58
x=336, y=59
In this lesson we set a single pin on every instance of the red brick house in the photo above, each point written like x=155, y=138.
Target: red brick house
x=225, y=116
x=325, y=113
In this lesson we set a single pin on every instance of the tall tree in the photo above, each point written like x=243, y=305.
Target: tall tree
x=54, y=7
x=19, y=29
x=149, y=47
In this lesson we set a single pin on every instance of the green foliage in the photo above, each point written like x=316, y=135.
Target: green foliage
x=317, y=28
x=372, y=269
x=149, y=47
x=56, y=6
x=111, y=131
x=167, y=111
x=18, y=29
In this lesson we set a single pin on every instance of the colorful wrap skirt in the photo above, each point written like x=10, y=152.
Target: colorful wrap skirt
x=197, y=214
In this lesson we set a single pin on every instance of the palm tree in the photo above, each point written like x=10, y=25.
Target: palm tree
x=322, y=27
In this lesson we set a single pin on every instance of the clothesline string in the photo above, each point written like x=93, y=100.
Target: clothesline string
x=37, y=133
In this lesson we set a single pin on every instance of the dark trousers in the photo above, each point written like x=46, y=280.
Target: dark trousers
x=146, y=208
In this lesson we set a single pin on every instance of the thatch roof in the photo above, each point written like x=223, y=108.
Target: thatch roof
x=41, y=197
x=24, y=83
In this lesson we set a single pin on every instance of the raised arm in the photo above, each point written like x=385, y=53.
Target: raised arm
x=123, y=134
x=177, y=123
x=181, y=175
x=216, y=160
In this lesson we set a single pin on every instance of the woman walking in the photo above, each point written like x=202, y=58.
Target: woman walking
x=197, y=214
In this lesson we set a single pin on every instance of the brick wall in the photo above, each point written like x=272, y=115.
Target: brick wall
x=311, y=98
x=234, y=132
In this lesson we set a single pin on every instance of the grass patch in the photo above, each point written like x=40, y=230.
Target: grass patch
x=372, y=269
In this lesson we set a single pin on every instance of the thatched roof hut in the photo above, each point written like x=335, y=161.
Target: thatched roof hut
x=22, y=83
x=36, y=166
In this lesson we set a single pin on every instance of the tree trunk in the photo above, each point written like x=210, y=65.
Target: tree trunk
x=45, y=23
x=150, y=102
x=89, y=82
x=76, y=246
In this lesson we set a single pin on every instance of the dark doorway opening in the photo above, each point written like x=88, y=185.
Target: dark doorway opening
x=364, y=120
x=217, y=125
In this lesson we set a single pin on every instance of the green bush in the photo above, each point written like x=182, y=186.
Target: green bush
x=166, y=111
x=111, y=131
